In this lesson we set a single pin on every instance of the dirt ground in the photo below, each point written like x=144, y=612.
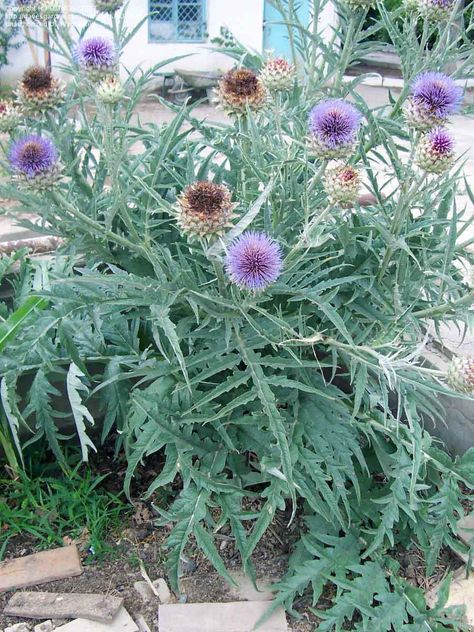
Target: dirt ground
x=117, y=573
x=140, y=541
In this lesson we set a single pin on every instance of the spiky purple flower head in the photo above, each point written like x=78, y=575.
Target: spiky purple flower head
x=254, y=261
x=437, y=93
x=96, y=52
x=334, y=122
x=441, y=141
x=442, y=4
x=32, y=155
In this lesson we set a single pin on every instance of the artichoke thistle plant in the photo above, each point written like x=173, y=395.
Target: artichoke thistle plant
x=233, y=306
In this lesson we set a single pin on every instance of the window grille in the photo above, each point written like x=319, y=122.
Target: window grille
x=177, y=20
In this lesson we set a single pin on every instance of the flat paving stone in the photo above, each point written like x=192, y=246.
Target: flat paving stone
x=246, y=591
x=462, y=594
x=239, y=616
x=123, y=622
x=45, y=605
x=46, y=626
x=466, y=529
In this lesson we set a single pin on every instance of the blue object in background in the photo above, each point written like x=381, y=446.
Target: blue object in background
x=275, y=36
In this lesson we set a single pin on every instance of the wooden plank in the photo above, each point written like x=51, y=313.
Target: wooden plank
x=239, y=616
x=40, y=568
x=123, y=622
x=44, y=605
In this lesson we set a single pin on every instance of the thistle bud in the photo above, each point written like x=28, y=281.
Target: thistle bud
x=205, y=209
x=39, y=91
x=240, y=89
x=435, y=10
x=108, y=6
x=435, y=151
x=110, y=90
x=278, y=75
x=10, y=116
x=461, y=374
x=360, y=4
x=27, y=8
x=411, y=6
x=341, y=184
x=49, y=11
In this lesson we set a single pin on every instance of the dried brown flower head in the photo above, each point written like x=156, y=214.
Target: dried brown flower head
x=241, y=82
x=240, y=88
x=37, y=78
x=39, y=91
x=204, y=209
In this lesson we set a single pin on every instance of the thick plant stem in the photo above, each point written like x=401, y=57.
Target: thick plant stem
x=397, y=223
x=439, y=310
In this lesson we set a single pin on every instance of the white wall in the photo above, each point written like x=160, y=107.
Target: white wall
x=243, y=17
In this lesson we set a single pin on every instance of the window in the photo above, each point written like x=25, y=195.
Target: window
x=176, y=20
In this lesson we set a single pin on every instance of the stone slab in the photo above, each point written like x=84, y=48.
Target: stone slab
x=40, y=568
x=142, y=624
x=244, y=590
x=461, y=593
x=18, y=627
x=46, y=626
x=240, y=616
x=44, y=605
x=123, y=622
x=466, y=529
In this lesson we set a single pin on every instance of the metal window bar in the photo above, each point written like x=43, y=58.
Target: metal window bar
x=176, y=20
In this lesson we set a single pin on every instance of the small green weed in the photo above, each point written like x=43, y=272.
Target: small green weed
x=53, y=509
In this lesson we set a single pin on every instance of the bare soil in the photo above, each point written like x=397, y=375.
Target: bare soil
x=140, y=542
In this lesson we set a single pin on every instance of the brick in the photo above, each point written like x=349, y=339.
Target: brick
x=40, y=568
x=44, y=605
x=123, y=622
x=239, y=616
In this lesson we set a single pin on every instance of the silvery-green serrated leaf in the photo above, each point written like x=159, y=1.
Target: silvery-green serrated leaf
x=206, y=544
x=12, y=414
x=75, y=390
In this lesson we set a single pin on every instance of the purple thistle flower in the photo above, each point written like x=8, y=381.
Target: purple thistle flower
x=335, y=122
x=441, y=141
x=437, y=93
x=254, y=261
x=32, y=156
x=431, y=6
x=443, y=4
x=96, y=52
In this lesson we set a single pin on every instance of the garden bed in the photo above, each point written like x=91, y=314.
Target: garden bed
x=138, y=539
